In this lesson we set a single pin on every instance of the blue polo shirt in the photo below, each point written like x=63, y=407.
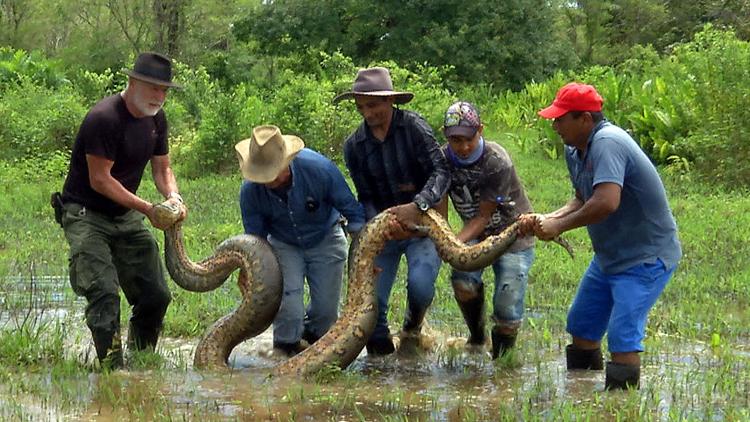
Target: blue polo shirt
x=642, y=229
x=314, y=202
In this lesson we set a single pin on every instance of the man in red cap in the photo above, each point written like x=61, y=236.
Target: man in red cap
x=621, y=200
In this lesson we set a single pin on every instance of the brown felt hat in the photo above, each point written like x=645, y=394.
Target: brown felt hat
x=376, y=82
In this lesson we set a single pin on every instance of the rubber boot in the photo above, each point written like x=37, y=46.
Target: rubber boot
x=380, y=346
x=108, y=349
x=583, y=358
x=413, y=319
x=287, y=350
x=140, y=338
x=410, y=335
x=309, y=337
x=501, y=342
x=621, y=376
x=471, y=304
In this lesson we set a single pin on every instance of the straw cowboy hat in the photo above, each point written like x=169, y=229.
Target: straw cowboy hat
x=376, y=82
x=266, y=153
x=154, y=68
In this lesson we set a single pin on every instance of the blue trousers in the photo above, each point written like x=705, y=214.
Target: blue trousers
x=511, y=279
x=423, y=266
x=323, y=268
x=617, y=304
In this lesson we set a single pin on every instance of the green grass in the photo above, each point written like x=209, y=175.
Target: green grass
x=698, y=341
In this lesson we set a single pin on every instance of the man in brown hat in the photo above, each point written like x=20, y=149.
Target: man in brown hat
x=296, y=197
x=395, y=162
x=102, y=215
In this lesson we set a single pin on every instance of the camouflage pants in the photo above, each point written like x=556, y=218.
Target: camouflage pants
x=109, y=253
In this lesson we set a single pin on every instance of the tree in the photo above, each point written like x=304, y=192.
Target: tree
x=486, y=41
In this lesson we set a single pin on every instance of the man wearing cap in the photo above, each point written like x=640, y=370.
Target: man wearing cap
x=110, y=248
x=488, y=195
x=621, y=200
x=395, y=162
x=295, y=197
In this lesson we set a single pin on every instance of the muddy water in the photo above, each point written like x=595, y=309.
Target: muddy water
x=447, y=383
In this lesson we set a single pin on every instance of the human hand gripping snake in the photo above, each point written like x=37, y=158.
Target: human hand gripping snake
x=261, y=287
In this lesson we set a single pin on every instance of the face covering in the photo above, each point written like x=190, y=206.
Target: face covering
x=473, y=158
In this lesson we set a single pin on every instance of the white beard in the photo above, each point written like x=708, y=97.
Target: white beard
x=144, y=107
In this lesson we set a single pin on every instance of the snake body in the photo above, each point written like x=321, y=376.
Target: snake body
x=260, y=284
x=348, y=336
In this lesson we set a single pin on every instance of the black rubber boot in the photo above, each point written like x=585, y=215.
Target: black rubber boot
x=501, y=343
x=288, y=349
x=621, y=376
x=583, y=358
x=471, y=304
x=108, y=349
x=309, y=337
x=142, y=338
x=380, y=346
x=413, y=319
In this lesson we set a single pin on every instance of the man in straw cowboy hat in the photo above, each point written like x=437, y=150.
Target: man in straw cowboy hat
x=296, y=197
x=102, y=215
x=395, y=161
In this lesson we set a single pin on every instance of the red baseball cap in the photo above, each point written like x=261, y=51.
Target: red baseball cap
x=573, y=97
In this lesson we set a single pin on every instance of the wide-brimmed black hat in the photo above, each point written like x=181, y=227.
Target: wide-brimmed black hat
x=375, y=82
x=154, y=68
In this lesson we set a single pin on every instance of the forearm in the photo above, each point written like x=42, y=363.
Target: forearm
x=571, y=206
x=591, y=212
x=165, y=181
x=112, y=189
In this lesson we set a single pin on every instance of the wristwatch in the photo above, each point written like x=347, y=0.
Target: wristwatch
x=422, y=205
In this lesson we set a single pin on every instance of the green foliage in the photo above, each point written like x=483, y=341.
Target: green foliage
x=688, y=109
x=38, y=120
x=33, y=343
x=504, y=43
x=94, y=86
x=18, y=65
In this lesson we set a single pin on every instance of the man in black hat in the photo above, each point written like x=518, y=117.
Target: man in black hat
x=110, y=247
x=395, y=162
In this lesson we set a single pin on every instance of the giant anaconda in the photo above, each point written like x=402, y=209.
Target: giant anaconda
x=260, y=284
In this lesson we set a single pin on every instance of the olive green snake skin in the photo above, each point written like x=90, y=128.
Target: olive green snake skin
x=260, y=284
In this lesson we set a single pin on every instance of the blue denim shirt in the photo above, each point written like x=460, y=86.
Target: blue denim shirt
x=642, y=229
x=315, y=201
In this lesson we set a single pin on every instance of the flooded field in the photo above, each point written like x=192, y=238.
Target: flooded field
x=681, y=378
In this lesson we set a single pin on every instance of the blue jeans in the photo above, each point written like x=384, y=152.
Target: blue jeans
x=511, y=279
x=423, y=266
x=323, y=267
x=618, y=304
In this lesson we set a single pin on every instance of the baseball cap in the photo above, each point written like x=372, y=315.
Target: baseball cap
x=461, y=119
x=573, y=97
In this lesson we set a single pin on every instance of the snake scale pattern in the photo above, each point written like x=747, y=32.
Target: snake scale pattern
x=261, y=286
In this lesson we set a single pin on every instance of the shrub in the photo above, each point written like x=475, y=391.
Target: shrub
x=38, y=120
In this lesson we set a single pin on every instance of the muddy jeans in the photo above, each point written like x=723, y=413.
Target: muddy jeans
x=511, y=278
x=107, y=253
x=423, y=266
x=323, y=268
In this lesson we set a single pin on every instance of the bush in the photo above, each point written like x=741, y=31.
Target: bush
x=38, y=120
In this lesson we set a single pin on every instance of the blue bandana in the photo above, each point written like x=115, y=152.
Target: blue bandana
x=466, y=162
